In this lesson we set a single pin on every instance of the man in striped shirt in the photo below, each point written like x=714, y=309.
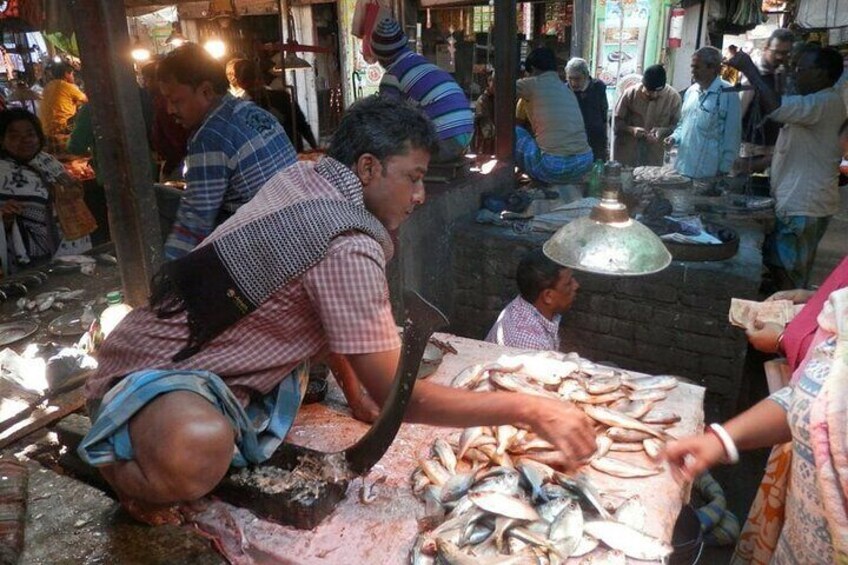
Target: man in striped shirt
x=412, y=77
x=235, y=147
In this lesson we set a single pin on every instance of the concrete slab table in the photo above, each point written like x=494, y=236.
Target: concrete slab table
x=384, y=531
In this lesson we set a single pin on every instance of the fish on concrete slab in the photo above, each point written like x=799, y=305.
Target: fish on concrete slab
x=633, y=543
x=623, y=469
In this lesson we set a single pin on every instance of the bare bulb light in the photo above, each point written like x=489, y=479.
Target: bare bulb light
x=216, y=48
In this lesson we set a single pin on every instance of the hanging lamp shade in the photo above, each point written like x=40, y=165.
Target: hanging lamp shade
x=608, y=242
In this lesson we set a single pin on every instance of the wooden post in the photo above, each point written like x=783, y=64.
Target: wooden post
x=123, y=156
x=581, y=29
x=506, y=64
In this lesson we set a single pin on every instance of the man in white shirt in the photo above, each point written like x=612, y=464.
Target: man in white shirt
x=531, y=320
x=709, y=132
x=805, y=167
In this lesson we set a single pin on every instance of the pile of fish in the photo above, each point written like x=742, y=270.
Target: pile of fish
x=624, y=405
x=492, y=496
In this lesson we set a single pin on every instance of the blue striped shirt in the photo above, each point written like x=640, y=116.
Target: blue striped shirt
x=414, y=78
x=236, y=150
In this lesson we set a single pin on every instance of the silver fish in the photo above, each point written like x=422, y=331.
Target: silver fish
x=504, y=484
x=587, y=545
x=624, y=538
x=457, y=486
x=469, y=377
x=587, y=398
x=554, y=492
x=443, y=450
x=503, y=505
x=500, y=459
x=613, y=418
x=437, y=474
x=613, y=557
x=623, y=469
x=604, y=443
x=624, y=435
x=502, y=525
x=536, y=474
x=419, y=480
x=627, y=447
x=549, y=511
x=532, y=538
x=653, y=447
x=581, y=485
x=603, y=385
x=466, y=439
x=652, y=395
x=620, y=405
x=568, y=387
x=505, y=436
x=535, y=444
x=664, y=382
x=512, y=383
x=567, y=529
x=476, y=534
x=543, y=370
x=661, y=417
x=638, y=408
x=450, y=554
x=432, y=497
x=632, y=513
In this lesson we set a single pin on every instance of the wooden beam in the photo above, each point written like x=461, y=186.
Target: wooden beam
x=506, y=69
x=123, y=154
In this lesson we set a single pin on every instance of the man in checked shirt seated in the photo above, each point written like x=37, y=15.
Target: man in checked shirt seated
x=212, y=373
x=531, y=320
x=234, y=147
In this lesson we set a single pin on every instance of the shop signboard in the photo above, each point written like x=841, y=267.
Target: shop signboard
x=621, y=43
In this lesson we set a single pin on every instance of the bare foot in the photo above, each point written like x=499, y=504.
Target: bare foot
x=153, y=515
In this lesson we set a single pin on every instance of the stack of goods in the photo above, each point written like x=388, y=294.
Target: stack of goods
x=491, y=493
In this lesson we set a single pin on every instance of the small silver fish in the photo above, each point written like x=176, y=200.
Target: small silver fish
x=550, y=511
x=503, y=505
x=587, y=398
x=638, y=408
x=567, y=529
x=443, y=450
x=467, y=438
x=627, y=447
x=469, y=377
x=603, y=385
x=587, y=545
x=613, y=418
x=632, y=513
x=437, y=474
x=505, y=436
x=661, y=417
x=623, y=435
x=633, y=543
x=510, y=382
x=623, y=469
x=612, y=557
x=536, y=474
x=419, y=480
x=664, y=382
x=456, y=487
x=652, y=395
x=604, y=443
x=450, y=554
x=653, y=447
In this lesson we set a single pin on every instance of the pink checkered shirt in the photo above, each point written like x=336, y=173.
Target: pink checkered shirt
x=521, y=325
x=341, y=305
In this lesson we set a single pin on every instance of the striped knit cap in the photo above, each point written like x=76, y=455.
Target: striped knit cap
x=387, y=40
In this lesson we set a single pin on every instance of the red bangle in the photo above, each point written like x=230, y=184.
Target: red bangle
x=780, y=342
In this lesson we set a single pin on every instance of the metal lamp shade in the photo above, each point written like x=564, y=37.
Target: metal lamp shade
x=625, y=248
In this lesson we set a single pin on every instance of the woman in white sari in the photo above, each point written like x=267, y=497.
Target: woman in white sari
x=29, y=178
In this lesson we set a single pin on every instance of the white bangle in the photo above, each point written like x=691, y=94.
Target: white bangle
x=726, y=442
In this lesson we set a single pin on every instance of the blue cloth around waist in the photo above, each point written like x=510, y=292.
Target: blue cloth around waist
x=260, y=428
x=552, y=169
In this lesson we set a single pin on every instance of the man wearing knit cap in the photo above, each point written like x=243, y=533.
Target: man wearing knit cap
x=411, y=77
x=645, y=115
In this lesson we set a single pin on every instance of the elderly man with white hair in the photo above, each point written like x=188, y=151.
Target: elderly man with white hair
x=709, y=133
x=591, y=94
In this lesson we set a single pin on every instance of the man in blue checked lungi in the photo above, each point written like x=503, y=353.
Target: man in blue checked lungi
x=560, y=152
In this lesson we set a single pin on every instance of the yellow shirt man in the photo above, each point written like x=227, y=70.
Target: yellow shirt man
x=60, y=100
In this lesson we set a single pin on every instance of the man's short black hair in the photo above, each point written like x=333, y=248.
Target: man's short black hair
x=536, y=273
x=192, y=65
x=540, y=59
x=827, y=59
x=383, y=127
x=654, y=78
x=780, y=35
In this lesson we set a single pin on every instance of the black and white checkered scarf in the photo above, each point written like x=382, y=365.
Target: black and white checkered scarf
x=221, y=282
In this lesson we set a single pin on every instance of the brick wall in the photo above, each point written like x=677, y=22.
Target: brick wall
x=673, y=322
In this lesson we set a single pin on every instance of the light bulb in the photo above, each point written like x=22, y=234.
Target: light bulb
x=216, y=48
